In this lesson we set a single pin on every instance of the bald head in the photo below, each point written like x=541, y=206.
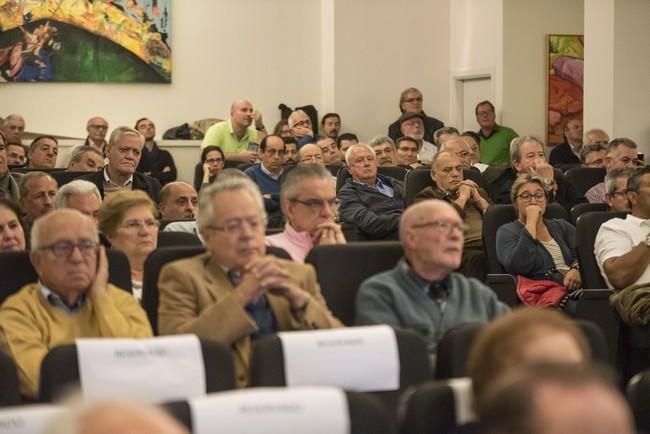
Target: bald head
x=311, y=154
x=459, y=147
x=422, y=212
x=596, y=135
x=178, y=201
x=241, y=114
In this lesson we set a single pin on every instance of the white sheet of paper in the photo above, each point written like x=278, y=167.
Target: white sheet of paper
x=301, y=410
x=364, y=359
x=32, y=419
x=463, y=399
x=153, y=370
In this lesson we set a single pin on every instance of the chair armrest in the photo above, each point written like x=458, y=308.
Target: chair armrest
x=594, y=306
x=505, y=286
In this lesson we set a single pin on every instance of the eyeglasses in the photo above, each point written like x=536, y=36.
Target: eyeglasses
x=442, y=225
x=527, y=197
x=305, y=123
x=99, y=127
x=617, y=194
x=64, y=248
x=317, y=205
x=137, y=226
x=484, y=113
x=236, y=226
x=596, y=163
x=274, y=152
x=413, y=100
x=214, y=160
x=307, y=158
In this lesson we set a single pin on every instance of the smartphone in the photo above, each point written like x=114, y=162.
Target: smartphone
x=253, y=147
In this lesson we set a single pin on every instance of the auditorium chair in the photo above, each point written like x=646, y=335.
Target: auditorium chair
x=63, y=177
x=583, y=208
x=340, y=270
x=9, y=390
x=583, y=178
x=418, y=179
x=638, y=396
x=178, y=239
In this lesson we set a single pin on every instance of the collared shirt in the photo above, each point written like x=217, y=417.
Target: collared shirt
x=267, y=172
x=427, y=151
x=384, y=189
x=56, y=301
x=596, y=194
x=107, y=180
x=617, y=237
x=223, y=135
x=297, y=244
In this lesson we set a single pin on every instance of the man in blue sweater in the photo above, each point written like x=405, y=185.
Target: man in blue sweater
x=422, y=293
x=266, y=175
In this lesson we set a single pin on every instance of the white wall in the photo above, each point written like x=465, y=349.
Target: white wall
x=525, y=26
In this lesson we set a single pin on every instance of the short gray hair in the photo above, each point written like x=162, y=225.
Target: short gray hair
x=120, y=132
x=292, y=117
x=516, y=143
x=620, y=141
x=36, y=174
x=41, y=226
x=380, y=140
x=353, y=148
x=231, y=183
x=588, y=149
x=78, y=186
x=12, y=117
x=444, y=130
x=79, y=151
x=296, y=176
x=613, y=175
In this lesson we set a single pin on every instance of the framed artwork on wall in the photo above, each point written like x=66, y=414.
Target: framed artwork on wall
x=565, y=79
x=119, y=41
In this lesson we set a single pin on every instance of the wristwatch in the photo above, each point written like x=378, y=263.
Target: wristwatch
x=646, y=240
x=549, y=182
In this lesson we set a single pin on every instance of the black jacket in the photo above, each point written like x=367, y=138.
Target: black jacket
x=562, y=154
x=155, y=161
x=149, y=185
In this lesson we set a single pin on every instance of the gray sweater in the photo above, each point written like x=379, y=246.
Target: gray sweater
x=400, y=298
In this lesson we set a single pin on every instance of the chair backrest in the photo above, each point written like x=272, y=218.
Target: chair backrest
x=63, y=177
x=60, y=370
x=638, y=391
x=586, y=230
x=583, y=208
x=438, y=407
x=366, y=412
x=198, y=176
x=334, y=168
x=23, y=273
x=340, y=269
x=583, y=178
x=9, y=389
x=177, y=239
x=394, y=172
x=498, y=215
x=416, y=181
x=268, y=366
x=341, y=177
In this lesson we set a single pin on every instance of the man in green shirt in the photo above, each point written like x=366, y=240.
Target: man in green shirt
x=495, y=139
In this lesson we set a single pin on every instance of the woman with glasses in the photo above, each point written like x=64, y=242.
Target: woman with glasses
x=12, y=236
x=128, y=220
x=535, y=247
x=213, y=160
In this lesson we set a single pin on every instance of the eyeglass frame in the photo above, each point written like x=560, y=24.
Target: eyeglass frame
x=69, y=247
x=442, y=224
x=235, y=226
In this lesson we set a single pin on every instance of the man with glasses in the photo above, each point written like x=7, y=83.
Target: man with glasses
x=267, y=174
x=301, y=127
x=621, y=152
x=97, y=127
x=423, y=293
x=311, y=153
x=495, y=139
x=616, y=189
x=123, y=151
x=412, y=125
x=236, y=293
x=13, y=128
x=310, y=206
x=72, y=298
x=372, y=202
x=411, y=100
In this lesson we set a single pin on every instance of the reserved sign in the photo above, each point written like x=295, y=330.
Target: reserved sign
x=33, y=419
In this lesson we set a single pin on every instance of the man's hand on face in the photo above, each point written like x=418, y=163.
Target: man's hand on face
x=259, y=122
x=542, y=169
x=98, y=286
x=328, y=233
x=302, y=131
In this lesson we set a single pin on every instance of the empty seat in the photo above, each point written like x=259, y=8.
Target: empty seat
x=583, y=178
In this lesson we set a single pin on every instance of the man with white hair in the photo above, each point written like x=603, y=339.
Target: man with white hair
x=236, y=293
x=13, y=128
x=97, y=127
x=301, y=127
x=85, y=159
x=81, y=195
x=72, y=298
x=384, y=150
x=422, y=292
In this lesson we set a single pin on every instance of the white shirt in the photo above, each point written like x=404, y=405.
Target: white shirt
x=186, y=226
x=616, y=237
x=427, y=151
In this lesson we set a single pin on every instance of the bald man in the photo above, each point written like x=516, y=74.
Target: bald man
x=596, y=136
x=178, y=201
x=422, y=292
x=238, y=135
x=311, y=153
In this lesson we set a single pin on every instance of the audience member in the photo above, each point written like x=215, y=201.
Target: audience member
x=616, y=189
x=290, y=150
x=555, y=399
x=13, y=128
x=621, y=152
x=267, y=173
x=622, y=246
x=331, y=125
x=384, y=150
x=331, y=153
x=37, y=192
x=81, y=195
x=282, y=129
x=235, y=293
x=301, y=127
x=495, y=139
x=535, y=247
x=8, y=183
x=411, y=100
x=12, y=235
x=42, y=153
x=235, y=135
x=86, y=159
x=406, y=152
x=178, y=201
x=568, y=152
x=154, y=161
x=128, y=220
x=441, y=135
x=457, y=146
x=123, y=151
x=469, y=200
x=422, y=293
x=596, y=136
x=472, y=140
x=72, y=298
x=309, y=204
x=372, y=202
x=593, y=155
x=311, y=154
x=345, y=140
x=527, y=155
x=213, y=161
x=97, y=127
x=16, y=155
x=412, y=125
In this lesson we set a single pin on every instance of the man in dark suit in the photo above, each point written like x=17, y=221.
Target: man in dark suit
x=569, y=151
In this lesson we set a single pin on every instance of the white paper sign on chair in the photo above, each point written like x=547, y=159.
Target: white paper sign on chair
x=153, y=370
x=32, y=419
x=272, y=410
x=364, y=359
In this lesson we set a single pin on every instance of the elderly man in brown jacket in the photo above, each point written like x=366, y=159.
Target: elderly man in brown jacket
x=235, y=293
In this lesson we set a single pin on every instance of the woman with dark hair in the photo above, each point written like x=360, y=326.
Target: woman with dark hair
x=282, y=129
x=213, y=160
x=12, y=235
